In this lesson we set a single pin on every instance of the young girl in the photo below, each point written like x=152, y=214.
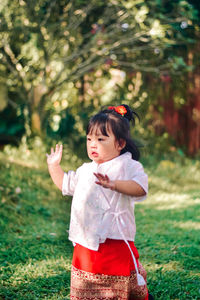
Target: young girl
x=105, y=262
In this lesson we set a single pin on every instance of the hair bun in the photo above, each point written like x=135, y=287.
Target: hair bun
x=130, y=114
x=125, y=111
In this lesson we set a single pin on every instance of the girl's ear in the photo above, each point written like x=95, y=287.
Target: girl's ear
x=121, y=144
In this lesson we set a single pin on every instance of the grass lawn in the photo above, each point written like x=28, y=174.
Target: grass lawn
x=35, y=251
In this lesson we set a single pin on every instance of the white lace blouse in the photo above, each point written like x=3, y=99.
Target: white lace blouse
x=98, y=213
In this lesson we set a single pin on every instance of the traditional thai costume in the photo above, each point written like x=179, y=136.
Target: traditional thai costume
x=102, y=228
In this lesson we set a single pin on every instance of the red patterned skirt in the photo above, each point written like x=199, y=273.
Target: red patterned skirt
x=106, y=274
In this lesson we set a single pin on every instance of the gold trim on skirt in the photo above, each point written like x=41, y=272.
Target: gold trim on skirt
x=90, y=286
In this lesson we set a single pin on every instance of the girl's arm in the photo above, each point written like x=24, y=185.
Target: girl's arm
x=55, y=170
x=127, y=187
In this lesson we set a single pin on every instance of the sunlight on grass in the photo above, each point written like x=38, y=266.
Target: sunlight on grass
x=173, y=265
x=168, y=201
x=23, y=163
x=188, y=225
x=45, y=268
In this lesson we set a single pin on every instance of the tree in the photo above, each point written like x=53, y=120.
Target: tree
x=46, y=45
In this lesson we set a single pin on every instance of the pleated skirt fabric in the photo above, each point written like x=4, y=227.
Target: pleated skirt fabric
x=106, y=274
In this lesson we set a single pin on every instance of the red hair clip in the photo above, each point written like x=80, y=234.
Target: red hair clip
x=119, y=109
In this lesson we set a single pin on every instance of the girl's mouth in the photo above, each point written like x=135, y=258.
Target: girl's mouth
x=94, y=153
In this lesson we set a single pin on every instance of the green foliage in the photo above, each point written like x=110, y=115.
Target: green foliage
x=36, y=254
x=59, y=61
x=47, y=50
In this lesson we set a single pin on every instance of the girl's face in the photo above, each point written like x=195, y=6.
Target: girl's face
x=102, y=148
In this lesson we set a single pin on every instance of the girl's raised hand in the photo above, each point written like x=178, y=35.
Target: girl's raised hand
x=104, y=181
x=54, y=158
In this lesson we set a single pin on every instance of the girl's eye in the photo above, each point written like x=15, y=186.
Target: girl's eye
x=88, y=139
x=100, y=139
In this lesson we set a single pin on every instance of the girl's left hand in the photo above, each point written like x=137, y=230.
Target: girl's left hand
x=104, y=181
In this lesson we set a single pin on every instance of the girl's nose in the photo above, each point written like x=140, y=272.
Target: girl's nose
x=93, y=144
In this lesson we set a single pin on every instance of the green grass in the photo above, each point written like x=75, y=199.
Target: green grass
x=168, y=225
x=36, y=254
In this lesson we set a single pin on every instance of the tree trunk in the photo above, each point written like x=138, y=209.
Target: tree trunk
x=35, y=109
x=183, y=123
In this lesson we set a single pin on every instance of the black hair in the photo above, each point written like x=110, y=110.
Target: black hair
x=119, y=124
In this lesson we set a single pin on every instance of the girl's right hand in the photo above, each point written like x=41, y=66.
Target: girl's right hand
x=54, y=158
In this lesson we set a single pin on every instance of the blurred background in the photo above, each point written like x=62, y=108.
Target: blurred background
x=61, y=61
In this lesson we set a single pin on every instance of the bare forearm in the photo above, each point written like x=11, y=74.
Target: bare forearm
x=57, y=174
x=128, y=187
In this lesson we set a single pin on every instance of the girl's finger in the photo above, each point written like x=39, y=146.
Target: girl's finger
x=97, y=182
x=57, y=147
x=97, y=175
x=100, y=175
x=52, y=151
x=107, y=178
